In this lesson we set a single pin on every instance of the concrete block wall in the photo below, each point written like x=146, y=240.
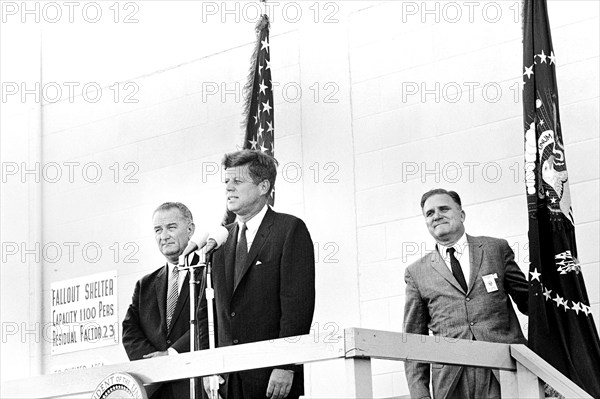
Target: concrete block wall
x=376, y=103
x=436, y=103
x=165, y=141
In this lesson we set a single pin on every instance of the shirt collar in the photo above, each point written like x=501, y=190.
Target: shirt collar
x=253, y=224
x=460, y=246
x=171, y=267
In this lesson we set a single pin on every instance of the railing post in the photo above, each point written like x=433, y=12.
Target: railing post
x=509, y=384
x=359, y=379
x=520, y=384
x=529, y=384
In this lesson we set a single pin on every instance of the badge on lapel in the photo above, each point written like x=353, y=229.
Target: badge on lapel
x=489, y=281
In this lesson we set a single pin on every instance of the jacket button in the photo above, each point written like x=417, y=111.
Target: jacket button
x=235, y=341
x=232, y=314
x=472, y=323
x=468, y=299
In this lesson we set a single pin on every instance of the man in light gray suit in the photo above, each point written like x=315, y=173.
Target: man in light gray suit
x=460, y=290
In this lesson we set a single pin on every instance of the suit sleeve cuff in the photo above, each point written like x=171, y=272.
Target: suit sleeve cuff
x=172, y=351
x=294, y=368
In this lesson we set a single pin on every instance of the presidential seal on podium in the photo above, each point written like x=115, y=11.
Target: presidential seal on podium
x=120, y=386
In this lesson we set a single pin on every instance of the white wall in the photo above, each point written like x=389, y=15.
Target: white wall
x=409, y=143
x=353, y=122
x=20, y=207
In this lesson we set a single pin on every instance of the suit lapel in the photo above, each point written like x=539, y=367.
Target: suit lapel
x=476, y=255
x=161, y=297
x=440, y=266
x=264, y=230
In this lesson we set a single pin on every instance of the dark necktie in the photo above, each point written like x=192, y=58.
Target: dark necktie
x=241, y=252
x=457, y=270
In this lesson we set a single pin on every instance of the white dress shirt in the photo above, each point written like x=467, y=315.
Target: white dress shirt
x=252, y=226
x=462, y=254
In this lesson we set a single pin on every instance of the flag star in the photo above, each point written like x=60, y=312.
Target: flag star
x=576, y=307
x=263, y=148
x=268, y=64
x=263, y=87
x=547, y=193
x=542, y=57
x=547, y=293
x=270, y=129
x=553, y=200
x=260, y=131
x=265, y=45
x=558, y=300
x=565, y=304
x=587, y=309
x=267, y=107
x=260, y=67
x=255, y=118
x=552, y=58
x=535, y=275
x=253, y=144
x=529, y=71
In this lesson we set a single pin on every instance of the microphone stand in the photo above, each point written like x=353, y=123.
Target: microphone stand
x=210, y=294
x=193, y=282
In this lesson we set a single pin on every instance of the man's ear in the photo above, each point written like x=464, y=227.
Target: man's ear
x=191, y=229
x=264, y=187
x=463, y=215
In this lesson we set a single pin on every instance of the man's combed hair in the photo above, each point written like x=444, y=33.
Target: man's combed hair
x=185, y=212
x=261, y=166
x=453, y=194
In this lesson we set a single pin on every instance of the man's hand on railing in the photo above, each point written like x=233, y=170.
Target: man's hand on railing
x=156, y=354
x=280, y=383
x=206, y=383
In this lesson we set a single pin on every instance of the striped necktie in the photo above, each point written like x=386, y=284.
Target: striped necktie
x=172, y=295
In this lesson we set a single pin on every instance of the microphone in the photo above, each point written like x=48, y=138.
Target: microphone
x=216, y=239
x=211, y=241
x=197, y=242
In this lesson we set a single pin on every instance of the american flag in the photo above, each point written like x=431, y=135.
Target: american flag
x=561, y=329
x=260, y=121
x=258, y=111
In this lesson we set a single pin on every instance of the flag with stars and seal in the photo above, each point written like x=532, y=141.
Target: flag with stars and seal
x=561, y=328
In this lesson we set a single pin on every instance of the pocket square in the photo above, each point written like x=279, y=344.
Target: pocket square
x=258, y=263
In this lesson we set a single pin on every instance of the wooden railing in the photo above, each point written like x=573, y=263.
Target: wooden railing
x=520, y=368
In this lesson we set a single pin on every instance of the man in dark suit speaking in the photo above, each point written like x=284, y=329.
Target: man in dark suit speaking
x=157, y=322
x=263, y=276
x=461, y=290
